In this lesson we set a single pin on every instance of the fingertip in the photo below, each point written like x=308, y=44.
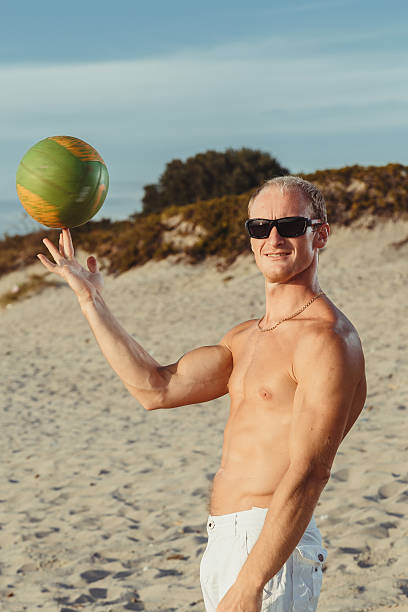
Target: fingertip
x=92, y=263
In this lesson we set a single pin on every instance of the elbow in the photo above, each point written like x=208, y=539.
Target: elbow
x=319, y=476
x=314, y=483
x=151, y=406
x=314, y=476
x=148, y=406
x=150, y=400
x=154, y=400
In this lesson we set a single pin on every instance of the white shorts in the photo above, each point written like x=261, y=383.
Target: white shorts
x=295, y=588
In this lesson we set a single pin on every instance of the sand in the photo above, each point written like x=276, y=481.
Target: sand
x=103, y=505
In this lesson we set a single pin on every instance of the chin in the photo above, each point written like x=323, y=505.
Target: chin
x=276, y=276
x=274, y=270
x=277, y=279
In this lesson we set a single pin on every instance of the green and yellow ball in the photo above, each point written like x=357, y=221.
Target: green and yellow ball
x=62, y=181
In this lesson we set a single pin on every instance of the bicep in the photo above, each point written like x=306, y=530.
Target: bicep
x=327, y=385
x=198, y=376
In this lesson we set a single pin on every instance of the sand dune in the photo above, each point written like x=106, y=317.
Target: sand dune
x=103, y=506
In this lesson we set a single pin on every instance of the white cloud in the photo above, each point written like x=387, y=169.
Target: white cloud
x=234, y=79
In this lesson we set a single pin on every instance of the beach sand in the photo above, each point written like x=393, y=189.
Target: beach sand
x=103, y=505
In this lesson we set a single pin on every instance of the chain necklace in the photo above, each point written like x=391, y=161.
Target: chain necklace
x=295, y=314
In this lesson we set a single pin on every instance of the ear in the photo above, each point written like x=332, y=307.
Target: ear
x=321, y=236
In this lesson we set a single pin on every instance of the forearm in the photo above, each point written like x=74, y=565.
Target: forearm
x=139, y=372
x=288, y=516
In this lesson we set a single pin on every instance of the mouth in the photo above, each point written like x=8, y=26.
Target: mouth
x=276, y=255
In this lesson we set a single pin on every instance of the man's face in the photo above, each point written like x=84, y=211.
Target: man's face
x=281, y=259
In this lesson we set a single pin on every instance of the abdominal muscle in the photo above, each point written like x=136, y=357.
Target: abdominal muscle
x=254, y=460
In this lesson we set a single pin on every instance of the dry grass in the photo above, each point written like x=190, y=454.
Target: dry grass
x=215, y=227
x=32, y=286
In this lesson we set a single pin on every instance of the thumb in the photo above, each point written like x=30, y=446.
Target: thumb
x=92, y=264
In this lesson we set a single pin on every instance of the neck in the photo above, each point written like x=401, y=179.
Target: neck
x=284, y=298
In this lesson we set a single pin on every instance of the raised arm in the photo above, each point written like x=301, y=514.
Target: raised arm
x=199, y=376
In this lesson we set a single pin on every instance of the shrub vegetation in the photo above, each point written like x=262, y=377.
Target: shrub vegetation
x=215, y=226
x=209, y=175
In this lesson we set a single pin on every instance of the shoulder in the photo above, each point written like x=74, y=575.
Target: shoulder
x=329, y=343
x=237, y=331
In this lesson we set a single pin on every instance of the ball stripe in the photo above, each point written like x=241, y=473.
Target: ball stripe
x=40, y=209
x=78, y=148
x=97, y=204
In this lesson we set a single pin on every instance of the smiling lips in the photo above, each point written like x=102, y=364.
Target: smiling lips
x=280, y=254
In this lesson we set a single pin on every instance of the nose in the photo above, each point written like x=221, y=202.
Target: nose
x=274, y=237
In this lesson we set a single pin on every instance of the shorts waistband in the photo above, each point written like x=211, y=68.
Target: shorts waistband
x=244, y=517
x=231, y=523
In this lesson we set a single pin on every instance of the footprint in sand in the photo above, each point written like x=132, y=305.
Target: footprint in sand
x=390, y=489
x=94, y=575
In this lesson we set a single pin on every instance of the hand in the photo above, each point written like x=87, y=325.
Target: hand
x=239, y=600
x=85, y=283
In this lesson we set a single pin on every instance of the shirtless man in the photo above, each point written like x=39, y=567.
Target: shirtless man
x=297, y=384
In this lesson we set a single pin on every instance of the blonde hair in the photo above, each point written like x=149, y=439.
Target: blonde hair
x=312, y=194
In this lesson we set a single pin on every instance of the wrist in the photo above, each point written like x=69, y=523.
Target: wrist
x=251, y=580
x=88, y=301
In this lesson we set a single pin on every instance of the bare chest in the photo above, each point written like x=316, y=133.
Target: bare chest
x=262, y=372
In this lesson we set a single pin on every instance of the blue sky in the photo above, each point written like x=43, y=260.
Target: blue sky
x=318, y=84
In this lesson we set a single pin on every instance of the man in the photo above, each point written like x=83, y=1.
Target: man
x=297, y=384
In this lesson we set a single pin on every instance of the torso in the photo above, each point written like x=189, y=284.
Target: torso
x=262, y=387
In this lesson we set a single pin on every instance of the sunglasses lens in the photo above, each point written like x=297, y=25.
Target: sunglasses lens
x=258, y=228
x=292, y=228
x=288, y=228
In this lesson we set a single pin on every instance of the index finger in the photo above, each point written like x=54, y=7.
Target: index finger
x=53, y=250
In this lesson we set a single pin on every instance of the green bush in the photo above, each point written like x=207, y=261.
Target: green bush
x=215, y=227
x=208, y=175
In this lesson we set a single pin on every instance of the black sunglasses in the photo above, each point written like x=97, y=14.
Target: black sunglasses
x=288, y=227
